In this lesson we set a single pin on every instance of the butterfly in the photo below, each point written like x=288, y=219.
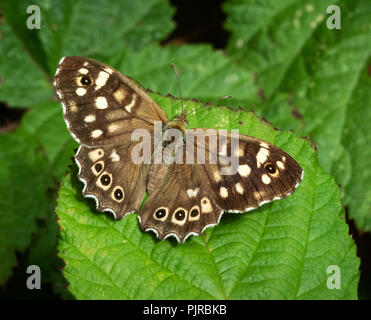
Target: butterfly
x=102, y=109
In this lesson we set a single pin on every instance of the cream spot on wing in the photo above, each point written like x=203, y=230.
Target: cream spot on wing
x=89, y=118
x=130, y=106
x=262, y=156
x=119, y=95
x=280, y=165
x=80, y=91
x=206, y=206
x=283, y=158
x=257, y=195
x=101, y=103
x=266, y=179
x=86, y=64
x=96, y=154
x=239, y=188
x=96, y=133
x=114, y=156
x=101, y=80
x=177, y=219
x=73, y=108
x=241, y=151
x=192, y=193
x=84, y=71
x=217, y=176
x=264, y=145
x=113, y=127
x=110, y=71
x=223, y=192
x=244, y=170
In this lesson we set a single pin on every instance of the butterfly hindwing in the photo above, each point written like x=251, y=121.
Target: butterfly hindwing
x=179, y=204
x=116, y=184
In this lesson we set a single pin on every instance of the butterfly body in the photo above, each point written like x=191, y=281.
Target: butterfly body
x=113, y=118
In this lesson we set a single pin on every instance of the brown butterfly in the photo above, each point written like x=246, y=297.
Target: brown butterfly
x=103, y=108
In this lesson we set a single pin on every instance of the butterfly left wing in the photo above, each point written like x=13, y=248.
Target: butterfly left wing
x=186, y=198
x=102, y=108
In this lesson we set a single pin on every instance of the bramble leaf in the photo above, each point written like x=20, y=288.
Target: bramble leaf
x=24, y=179
x=280, y=251
x=308, y=74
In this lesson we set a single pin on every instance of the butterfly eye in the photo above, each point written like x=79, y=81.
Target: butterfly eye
x=180, y=215
x=161, y=214
x=105, y=180
x=85, y=81
x=270, y=168
x=118, y=194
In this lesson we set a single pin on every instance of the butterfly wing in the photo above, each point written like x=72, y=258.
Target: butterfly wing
x=202, y=192
x=100, y=105
x=102, y=108
x=263, y=172
x=179, y=203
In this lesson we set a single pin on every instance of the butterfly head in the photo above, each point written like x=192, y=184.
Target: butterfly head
x=179, y=122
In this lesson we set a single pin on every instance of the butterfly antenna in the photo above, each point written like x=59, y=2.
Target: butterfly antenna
x=177, y=79
x=207, y=103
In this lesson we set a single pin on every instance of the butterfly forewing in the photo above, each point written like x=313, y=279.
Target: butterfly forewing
x=101, y=106
x=262, y=174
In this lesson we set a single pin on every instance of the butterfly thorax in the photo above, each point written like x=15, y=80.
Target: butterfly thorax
x=179, y=122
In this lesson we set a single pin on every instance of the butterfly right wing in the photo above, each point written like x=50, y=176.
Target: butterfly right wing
x=110, y=177
x=100, y=105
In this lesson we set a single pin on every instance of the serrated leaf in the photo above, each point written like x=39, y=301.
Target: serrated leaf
x=42, y=252
x=45, y=121
x=205, y=74
x=297, y=58
x=357, y=140
x=22, y=80
x=281, y=251
x=28, y=58
x=24, y=179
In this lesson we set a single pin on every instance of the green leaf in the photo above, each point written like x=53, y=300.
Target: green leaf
x=42, y=252
x=28, y=58
x=22, y=80
x=280, y=251
x=313, y=71
x=357, y=140
x=45, y=121
x=24, y=179
x=204, y=73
